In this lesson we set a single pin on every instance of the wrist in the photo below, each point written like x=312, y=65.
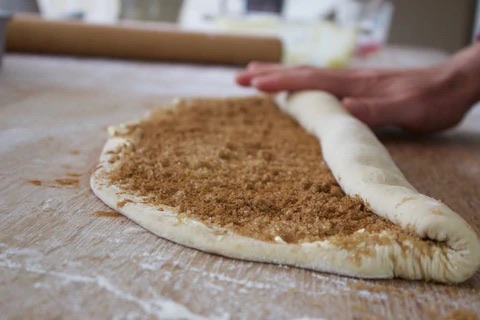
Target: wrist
x=464, y=70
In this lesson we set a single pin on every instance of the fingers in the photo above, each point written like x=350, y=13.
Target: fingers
x=274, y=78
x=254, y=69
x=340, y=83
x=379, y=112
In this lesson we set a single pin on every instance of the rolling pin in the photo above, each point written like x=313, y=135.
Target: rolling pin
x=32, y=34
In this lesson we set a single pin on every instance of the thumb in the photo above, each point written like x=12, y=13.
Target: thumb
x=376, y=112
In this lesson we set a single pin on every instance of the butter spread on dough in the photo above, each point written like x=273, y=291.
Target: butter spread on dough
x=362, y=167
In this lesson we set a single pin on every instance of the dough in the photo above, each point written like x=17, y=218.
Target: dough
x=449, y=251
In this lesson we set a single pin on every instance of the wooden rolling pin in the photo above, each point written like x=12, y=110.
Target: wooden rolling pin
x=33, y=34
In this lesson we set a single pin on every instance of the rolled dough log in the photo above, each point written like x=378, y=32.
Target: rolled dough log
x=363, y=167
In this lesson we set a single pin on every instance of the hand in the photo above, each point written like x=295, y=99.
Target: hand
x=419, y=100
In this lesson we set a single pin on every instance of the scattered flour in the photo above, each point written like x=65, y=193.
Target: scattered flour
x=134, y=230
x=158, y=307
x=49, y=205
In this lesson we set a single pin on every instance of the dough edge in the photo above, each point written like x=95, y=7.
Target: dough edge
x=362, y=166
x=387, y=261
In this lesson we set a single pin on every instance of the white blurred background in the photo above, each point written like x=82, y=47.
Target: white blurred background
x=321, y=32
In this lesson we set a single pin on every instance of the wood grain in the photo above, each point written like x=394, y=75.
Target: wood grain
x=62, y=255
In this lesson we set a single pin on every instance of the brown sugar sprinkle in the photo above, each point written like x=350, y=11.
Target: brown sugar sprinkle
x=112, y=214
x=461, y=314
x=243, y=165
x=122, y=203
x=67, y=182
x=73, y=174
x=35, y=182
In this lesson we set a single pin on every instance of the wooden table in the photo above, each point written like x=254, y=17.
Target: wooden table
x=64, y=255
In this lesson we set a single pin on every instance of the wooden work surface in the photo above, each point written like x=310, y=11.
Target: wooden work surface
x=62, y=256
